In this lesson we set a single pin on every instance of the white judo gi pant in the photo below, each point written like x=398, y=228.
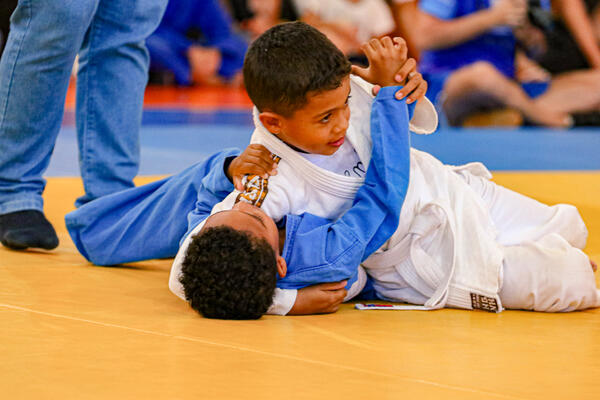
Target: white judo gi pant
x=544, y=268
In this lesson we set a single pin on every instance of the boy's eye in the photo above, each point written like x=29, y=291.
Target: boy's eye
x=326, y=118
x=348, y=99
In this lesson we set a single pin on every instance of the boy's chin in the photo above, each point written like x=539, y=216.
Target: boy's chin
x=331, y=150
x=332, y=147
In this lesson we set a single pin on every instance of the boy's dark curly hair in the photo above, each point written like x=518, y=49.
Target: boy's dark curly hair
x=229, y=274
x=287, y=62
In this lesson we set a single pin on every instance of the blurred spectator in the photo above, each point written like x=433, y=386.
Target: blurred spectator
x=596, y=21
x=469, y=56
x=348, y=23
x=195, y=44
x=404, y=13
x=570, y=41
x=256, y=16
x=5, y=12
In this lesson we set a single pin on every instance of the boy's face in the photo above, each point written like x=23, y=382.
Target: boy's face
x=320, y=126
x=246, y=217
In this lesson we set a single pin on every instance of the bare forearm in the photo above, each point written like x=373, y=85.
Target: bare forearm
x=434, y=33
x=404, y=15
x=580, y=25
x=596, y=22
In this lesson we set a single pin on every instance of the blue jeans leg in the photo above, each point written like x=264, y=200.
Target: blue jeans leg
x=113, y=73
x=34, y=75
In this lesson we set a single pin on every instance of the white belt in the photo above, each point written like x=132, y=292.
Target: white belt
x=425, y=272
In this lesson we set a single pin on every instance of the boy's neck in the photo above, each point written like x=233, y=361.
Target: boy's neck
x=282, y=233
x=291, y=146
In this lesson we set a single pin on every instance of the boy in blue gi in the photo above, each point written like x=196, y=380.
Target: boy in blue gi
x=146, y=222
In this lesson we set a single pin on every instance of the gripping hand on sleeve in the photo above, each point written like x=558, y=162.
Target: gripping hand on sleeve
x=255, y=160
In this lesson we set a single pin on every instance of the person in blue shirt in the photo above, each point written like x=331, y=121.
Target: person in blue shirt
x=469, y=58
x=195, y=43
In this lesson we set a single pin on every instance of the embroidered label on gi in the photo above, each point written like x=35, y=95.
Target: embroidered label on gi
x=484, y=303
x=358, y=170
x=255, y=188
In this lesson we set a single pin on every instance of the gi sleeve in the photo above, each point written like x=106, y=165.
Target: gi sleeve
x=122, y=227
x=443, y=9
x=213, y=189
x=318, y=250
x=283, y=301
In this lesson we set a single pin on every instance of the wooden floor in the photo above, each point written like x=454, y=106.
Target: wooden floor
x=69, y=330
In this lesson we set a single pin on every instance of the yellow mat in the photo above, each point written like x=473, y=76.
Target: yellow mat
x=69, y=330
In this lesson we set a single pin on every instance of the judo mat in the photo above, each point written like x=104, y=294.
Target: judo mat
x=70, y=330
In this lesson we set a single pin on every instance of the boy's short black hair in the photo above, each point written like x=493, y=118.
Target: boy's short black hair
x=229, y=274
x=287, y=62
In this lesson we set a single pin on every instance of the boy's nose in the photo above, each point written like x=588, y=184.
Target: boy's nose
x=341, y=124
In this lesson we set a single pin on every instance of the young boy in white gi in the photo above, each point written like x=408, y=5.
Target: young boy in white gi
x=310, y=114
x=459, y=236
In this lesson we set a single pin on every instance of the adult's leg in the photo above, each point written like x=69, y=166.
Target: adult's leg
x=519, y=218
x=577, y=91
x=548, y=275
x=112, y=76
x=34, y=75
x=483, y=77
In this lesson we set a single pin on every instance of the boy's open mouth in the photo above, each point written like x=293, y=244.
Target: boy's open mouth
x=338, y=142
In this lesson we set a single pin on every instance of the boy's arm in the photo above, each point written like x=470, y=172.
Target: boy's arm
x=389, y=66
x=322, y=251
x=580, y=25
x=385, y=57
x=438, y=28
x=217, y=184
x=323, y=298
x=135, y=215
x=214, y=187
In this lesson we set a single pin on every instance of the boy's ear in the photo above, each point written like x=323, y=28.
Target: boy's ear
x=281, y=267
x=271, y=121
